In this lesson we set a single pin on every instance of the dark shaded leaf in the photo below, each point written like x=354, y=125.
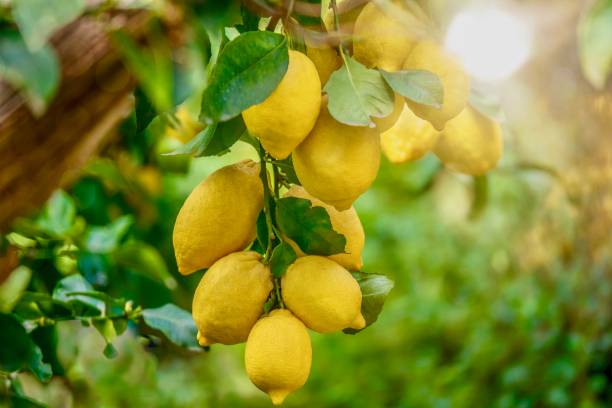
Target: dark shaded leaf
x=145, y=111
x=144, y=259
x=282, y=256
x=262, y=230
x=66, y=291
x=215, y=139
x=374, y=292
x=174, y=322
x=358, y=94
x=309, y=227
x=18, y=351
x=287, y=170
x=420, y=86
x=248, y=70
x=110, y=351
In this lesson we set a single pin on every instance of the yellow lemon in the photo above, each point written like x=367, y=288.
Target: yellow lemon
x=187, y=126
x=286, y=117
x=323, y=294
x=471, y=143
x=347, y=14
x=326, y=60
x=344, y=222
x=337, y=163
x=218, y=217
x=278, y=354
x=383, y=36
x=429, y=56
x=409, y=139
x=386, y=123
x=230, y=298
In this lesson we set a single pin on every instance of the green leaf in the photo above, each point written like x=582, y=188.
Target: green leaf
x=309, y=227
x=110, y=351
x=12, y=288
x=174, y=322
x=480, y=191
x=282, y=256
x=65, y=291
x=421, y=86
x=357, y=94
x=35, y=73
x=39, y=19
x=151, y=67
x=35, y=305
x=58, y=215
x=374, y=292
x=144, y=109
x=287, y=170
x=20, y=401
x=214, y=140
x=144, y=259
x=595, y=43
x=262, y=230
x=106, y=239
x=248, y=70
x=18, y=351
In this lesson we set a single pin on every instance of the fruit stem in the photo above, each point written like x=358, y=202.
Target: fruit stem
x=337, y=28
x=279, y=298
x=263, y=174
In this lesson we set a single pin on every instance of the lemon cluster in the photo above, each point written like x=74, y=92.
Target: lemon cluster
x=214, y=226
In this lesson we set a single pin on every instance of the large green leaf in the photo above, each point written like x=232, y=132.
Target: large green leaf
x=358, y=94
x=595, y=43
x=374, y=292
x=39, y=19
x=215, y=140
x=174, y=322
x=421, y=86
x=248, y=70
x=309, y=227
x=35, y=73
x=18, y=351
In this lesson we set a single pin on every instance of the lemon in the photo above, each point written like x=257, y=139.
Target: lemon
x=383, y=37
x=322, y=294
x=386, y=123
x=346, y=16
x=278, y=354
x=218, y=217
x=429, y=56
x=471, y=143
x=345, y=222
x=325, y=59
x=337, y=163
x=187, y=126
x=286, y=117
x=230, y=298
x=409, y=139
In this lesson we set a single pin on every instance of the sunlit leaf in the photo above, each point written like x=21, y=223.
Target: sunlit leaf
x=174, y=322
x=374, y=292
x=105, y=239
x=420, y=86
x=358, y=94
x=248, y=70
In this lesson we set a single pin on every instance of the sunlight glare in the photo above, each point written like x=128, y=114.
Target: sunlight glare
x=492, y=44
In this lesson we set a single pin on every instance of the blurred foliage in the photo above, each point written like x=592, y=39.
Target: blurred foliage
x=503, y=286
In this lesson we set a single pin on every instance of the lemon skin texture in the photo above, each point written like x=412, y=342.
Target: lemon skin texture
x=278, y=354
x=380, y=40
x=286, y=117
x=218, y=217
x=430, y=56
x=409, y=139
x=471, y=143
x=337, y=163
x=230, y=298
x=322, y=294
